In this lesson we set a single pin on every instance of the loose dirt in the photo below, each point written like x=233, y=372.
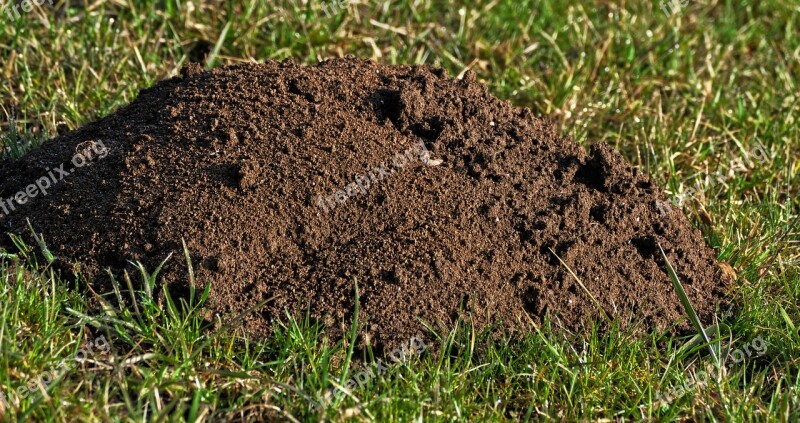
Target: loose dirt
x=296, y=182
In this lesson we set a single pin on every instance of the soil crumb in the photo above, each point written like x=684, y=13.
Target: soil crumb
x=296, y=182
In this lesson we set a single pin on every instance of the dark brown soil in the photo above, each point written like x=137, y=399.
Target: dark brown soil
x=255, y=166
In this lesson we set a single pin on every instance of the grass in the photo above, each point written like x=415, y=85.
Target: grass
x=690, y=98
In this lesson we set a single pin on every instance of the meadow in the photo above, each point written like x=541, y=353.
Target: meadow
x=702, y=96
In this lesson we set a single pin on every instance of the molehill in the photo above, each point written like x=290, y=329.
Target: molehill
x=296, y=182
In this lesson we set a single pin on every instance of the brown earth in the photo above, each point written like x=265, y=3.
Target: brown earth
x=255, y=166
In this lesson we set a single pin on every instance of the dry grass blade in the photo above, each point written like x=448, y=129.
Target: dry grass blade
x=577, y=279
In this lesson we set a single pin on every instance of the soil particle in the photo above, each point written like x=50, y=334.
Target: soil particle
x=295, y=182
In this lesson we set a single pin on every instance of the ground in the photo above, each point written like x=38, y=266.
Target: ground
x=703, y=96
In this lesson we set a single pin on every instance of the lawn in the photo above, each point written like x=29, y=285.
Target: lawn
x=705, y=96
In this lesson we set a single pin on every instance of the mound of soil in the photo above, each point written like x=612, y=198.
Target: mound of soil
x=295, y=182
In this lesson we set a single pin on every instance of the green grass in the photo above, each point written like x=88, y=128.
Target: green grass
x=686, y=97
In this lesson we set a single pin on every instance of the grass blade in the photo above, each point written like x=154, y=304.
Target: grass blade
x=687, y=305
